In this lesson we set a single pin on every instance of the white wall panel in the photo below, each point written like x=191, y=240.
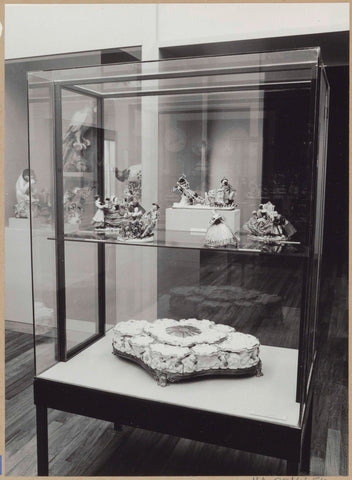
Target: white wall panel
x=46, y=29
x=33, y=30
x=182, y=24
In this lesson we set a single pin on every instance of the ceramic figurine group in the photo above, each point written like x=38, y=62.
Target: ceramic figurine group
x=133, y=175
x=40, y=203
x=222, y=197
x=267, y=225
x=74, y=201
x=126, y=216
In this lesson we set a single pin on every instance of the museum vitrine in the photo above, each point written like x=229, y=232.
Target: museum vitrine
x=185, y=232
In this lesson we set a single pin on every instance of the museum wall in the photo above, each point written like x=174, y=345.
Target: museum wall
x=182, y=24
x=53, y=29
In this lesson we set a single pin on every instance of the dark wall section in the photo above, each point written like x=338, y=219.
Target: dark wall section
x=334, y=47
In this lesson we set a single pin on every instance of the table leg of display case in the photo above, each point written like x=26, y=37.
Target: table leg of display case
x=306, y=444
x=42, y=441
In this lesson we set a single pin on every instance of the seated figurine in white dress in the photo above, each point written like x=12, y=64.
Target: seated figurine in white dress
x=218, y=233
x=25, y=182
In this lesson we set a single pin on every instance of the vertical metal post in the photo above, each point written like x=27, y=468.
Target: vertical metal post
x=305, y=333
x=301, y=349
x=101, y=192
x=59, y=227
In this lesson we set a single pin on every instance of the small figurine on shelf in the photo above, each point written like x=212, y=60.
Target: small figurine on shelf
x=74, y=203
x=125, y=217
x=74, y=214
x=228, y=192
x=267, y=225
x=218, y=233
x=99, y=218
x=40, y=203
x=133, y=175
x=188, y=196
x=25, y=182
x=150, y=220
x=223, y=197
x=210, y=198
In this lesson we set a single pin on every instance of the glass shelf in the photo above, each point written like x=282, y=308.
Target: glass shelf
x=187, y=240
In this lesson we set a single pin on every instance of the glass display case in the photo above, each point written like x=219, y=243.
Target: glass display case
x=181, y=189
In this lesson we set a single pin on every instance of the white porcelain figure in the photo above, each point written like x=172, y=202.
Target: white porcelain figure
x=99, y=218
x=218, y=233
x=24, y=183
x=188, y=196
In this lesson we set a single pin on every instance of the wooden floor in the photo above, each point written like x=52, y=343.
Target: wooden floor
x=80, y=446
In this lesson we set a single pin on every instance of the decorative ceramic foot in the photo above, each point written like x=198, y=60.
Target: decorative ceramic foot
x=162, y=380
x=259, y=372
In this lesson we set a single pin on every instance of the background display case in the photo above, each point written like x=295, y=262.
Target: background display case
x=259, y=120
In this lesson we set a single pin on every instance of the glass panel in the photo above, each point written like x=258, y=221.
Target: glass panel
x=210, y=158
x=80, y=139
x=319, y=218
x=42, y=162
x=81, y=293
x=80, y=136
x=42, y=220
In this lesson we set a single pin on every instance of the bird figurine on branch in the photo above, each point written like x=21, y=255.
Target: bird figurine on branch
x=75, y=144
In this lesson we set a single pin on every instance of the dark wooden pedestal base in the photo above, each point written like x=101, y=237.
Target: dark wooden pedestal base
x=280, y=441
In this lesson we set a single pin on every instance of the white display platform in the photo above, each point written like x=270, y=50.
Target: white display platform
x=197, y=218
x=18, y=287
x=269, y=398
x=15, y=222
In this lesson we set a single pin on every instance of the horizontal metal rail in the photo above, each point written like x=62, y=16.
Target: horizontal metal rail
x=207, y=89
x=181, y=73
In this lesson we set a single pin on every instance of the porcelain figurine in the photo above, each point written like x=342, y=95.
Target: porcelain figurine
x=75, y=144
x=74, y=203
x=24, y=183
x=99, y=217
x=267, y=225
x=150, y=220
x=228, y=192
x=126, y=217
x=218, y=233
x=210, y=198
x=74, y=214
x=223, y=197
x=188, y=196
x=40, y=203
x=133, y=176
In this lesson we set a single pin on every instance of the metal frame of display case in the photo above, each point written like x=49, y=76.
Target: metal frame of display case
x=287, y=442
x=63, y=354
